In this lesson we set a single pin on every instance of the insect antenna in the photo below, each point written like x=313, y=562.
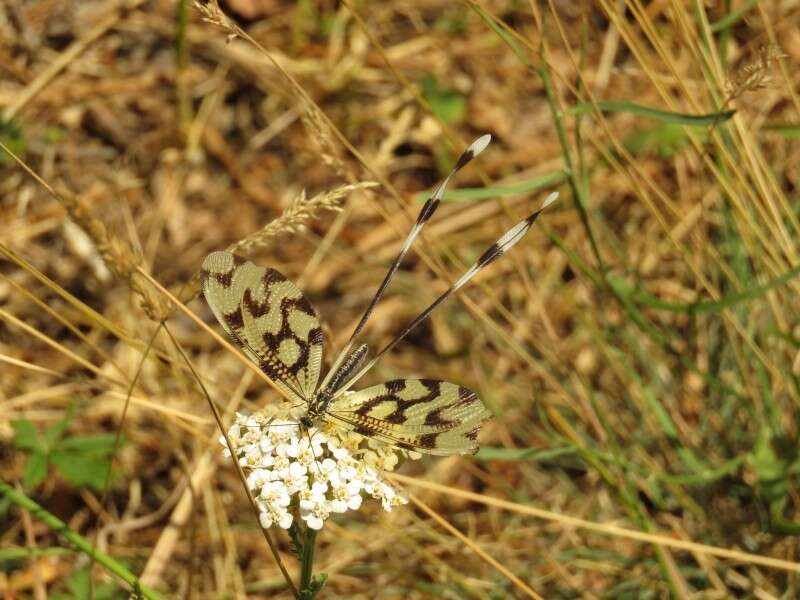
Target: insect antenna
x=430, y=206
x=492, y=253
x=268, y=425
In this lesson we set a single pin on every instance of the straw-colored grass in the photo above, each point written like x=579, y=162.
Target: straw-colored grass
x=640, y=349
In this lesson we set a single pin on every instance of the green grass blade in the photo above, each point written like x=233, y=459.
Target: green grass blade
x=665, y=116
x=791, y=131
x=512, y=454
x=22, y=552
x=733, y=17
x=643, y=298
x=77, y=540
x=499, y=191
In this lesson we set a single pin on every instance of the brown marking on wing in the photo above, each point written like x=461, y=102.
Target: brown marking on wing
x=396, y=418
x=435, y=419
x=273, y=341
x=364, y=430
x=466, y=396
x=224, y=279
x=395, y=386
x=428, y=440
x=257, y=309
x=234, y=319
x=287, y=306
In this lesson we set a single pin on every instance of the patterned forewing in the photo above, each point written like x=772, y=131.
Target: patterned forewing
x=228, y=281
x=281, y=322
x=426, y=415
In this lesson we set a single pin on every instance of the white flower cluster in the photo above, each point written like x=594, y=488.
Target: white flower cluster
x=314, y=472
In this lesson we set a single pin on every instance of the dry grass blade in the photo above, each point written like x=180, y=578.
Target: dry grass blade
x=297, y=215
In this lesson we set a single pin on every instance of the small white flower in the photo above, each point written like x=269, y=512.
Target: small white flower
x=315, y=517
x=338, y=449
x=281, y=431
x=346, y=495
x=257, y=478
x=347, y=468
x=285, y=520
x=387, y=495
x=370, y=457
x=275, y=494
x=251, y=458
x=225, y=450
x=282, y=518
x=316, y=493
x=281, y=466
x=306, y=450
x=314, y=506
x=325, y=469
x=388, y=461
x=267, y=460
x=265, y=445
x=282, y=449
x=295, y=478
x=365, y=473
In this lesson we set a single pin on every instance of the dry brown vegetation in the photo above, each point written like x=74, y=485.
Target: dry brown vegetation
x=640, y=348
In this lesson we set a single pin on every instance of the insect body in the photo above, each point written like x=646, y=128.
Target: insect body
x=277, y=327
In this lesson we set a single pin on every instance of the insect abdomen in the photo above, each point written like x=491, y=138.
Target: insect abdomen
x=349, y=366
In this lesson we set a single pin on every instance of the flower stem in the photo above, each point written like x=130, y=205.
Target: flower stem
x=77, y=541
x=307, y=558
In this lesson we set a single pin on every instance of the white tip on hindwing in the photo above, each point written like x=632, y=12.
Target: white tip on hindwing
x=480, y=144
x=549, y=200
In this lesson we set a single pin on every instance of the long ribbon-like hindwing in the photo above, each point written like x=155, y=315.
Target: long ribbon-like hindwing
x=492, y=253
x=430, y=206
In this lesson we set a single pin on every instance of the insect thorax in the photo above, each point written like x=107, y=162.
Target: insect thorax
x=319, y=405
x=317, y=408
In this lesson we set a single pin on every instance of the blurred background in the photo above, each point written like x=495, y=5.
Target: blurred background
x=639, y=349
